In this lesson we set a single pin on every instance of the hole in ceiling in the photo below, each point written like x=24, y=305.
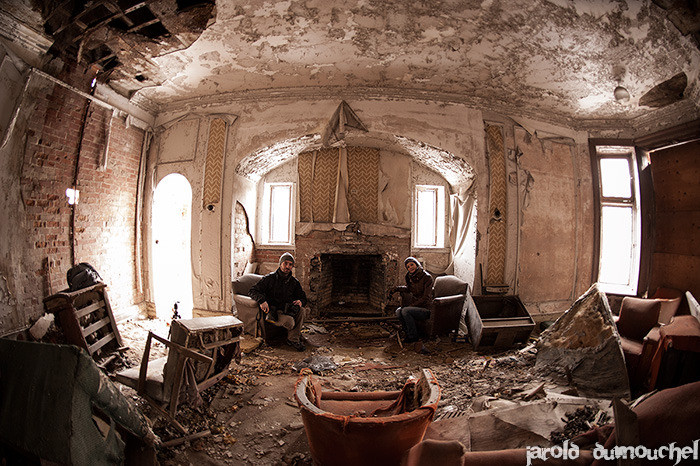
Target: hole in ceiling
x=183, y=5
x=140, y=78
x=666, y=93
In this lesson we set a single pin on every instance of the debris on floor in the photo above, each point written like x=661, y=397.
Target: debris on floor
x=252, y=417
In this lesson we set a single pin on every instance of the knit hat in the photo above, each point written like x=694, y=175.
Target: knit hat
x=286, y=257
x=412, y=259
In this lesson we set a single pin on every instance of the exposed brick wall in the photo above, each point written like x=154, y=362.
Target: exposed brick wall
x=310, y=249
x=104, y=217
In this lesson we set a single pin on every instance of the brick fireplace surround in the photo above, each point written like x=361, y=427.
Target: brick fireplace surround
x=349, y=272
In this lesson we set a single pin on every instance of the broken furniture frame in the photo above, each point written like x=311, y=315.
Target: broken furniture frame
x=498, y=321
x=200, y=352
x=86, y=319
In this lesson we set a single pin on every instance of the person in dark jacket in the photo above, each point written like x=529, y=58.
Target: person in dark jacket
x=281, y=299
x=417, y=297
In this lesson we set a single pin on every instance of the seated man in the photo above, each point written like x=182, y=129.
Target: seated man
x=417, y=296
x=281, y=298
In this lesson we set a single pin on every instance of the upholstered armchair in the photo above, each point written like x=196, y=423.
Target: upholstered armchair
x=638, y=325
x=247, y=308
x=450, y=293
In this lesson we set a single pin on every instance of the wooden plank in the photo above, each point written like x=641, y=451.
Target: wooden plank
x=100, y=343
x=92, y=328
x=88, y=309
x=216, y=344
x=111, y=317
x=144, y=25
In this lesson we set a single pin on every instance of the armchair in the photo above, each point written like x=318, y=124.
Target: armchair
x=200, y=351
x=246, y=307
x=450, y=293
x=638, y=325
x=248, y=311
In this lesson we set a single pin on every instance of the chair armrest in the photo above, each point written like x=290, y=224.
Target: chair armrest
x=448, y=299
x=182, y=350
x=654, y=335
x=244, y=300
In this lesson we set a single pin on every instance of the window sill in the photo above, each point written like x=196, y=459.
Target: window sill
x=429, y=249
x=275, y=246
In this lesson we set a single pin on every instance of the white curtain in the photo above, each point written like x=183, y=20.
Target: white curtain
x=341, y=212
x=461, y=207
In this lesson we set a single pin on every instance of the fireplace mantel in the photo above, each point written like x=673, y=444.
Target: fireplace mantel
x=371, y=229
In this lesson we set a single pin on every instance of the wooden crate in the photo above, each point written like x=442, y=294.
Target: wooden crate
x=498, y=321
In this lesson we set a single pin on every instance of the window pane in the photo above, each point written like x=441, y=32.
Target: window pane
x=616, y=245
x=279, y=213
x=426, y=217
x=615, y=178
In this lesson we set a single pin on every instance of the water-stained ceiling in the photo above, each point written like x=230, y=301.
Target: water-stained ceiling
x=552, y=59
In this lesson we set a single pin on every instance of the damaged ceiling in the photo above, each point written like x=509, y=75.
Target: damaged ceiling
x=555, y=60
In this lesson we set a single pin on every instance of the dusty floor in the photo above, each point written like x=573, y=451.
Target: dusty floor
x=252, y=414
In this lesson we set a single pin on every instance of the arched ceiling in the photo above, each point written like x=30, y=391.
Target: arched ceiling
x=559, y=60
x=454, y=169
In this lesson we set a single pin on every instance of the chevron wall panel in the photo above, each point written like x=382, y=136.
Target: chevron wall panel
x=363, y=183
x=496, y=260
x=305, y=167
x=214, y=168
x=325, y=178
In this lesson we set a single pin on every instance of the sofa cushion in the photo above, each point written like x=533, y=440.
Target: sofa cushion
x=637, y=317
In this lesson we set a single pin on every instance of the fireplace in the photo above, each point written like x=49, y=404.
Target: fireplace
x=348, y=272
x=352, y=284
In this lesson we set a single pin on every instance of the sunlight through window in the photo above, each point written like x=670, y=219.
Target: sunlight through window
x=429, y=217
x=278, y=208
x=618, y=269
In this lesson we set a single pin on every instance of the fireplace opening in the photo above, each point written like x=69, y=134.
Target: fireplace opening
x=352, y=284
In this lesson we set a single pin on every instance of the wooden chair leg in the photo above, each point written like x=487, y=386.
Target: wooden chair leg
x=166, y=415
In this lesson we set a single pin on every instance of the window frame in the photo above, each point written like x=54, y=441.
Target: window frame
x=439, y=218
x=617, y=149
x=267, y=213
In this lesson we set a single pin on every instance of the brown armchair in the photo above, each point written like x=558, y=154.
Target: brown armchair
x=450, y=293
x=638, y=325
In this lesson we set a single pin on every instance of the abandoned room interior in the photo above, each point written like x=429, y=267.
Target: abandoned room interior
x=539, y=159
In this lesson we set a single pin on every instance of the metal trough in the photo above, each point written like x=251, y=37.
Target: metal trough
x=368, y=428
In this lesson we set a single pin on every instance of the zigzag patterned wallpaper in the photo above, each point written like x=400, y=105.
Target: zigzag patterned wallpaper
x=214, y=167
x=363, y=174
x=318, y=179
x=496, y=260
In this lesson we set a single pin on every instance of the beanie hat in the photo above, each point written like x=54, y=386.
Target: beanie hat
x=411, y=259
x=286, y=257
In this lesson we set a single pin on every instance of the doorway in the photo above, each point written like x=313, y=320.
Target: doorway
x=172, y=260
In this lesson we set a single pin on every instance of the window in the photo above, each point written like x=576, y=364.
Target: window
x=620, y=220
x=277, y=213
x=429, y=217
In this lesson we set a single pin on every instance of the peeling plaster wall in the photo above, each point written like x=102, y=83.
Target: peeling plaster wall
x=181, y=148
x=554, y=257
x=551, y=215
